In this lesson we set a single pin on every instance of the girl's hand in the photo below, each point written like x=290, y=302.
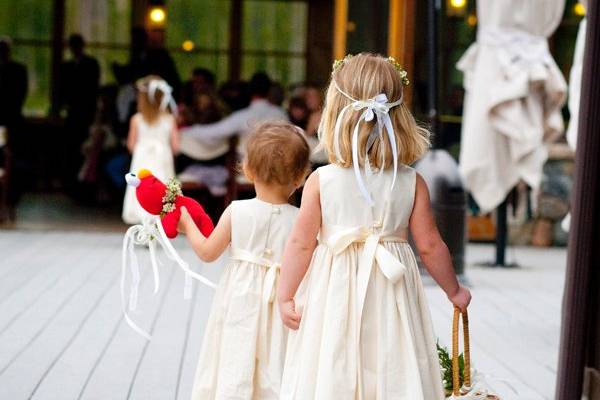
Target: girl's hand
x=461, y=298
x=289, y=316
x=184, y=221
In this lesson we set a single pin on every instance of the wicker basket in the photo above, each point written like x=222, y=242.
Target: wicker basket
x=465, y=391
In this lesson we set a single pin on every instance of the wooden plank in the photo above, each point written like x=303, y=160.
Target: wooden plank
x=79, y=360
x=157, y=375
x=33, y=321
x=17, y=254
x=29, y=265
x=196, y=327
x=13, y=306
x=117, y=369
x=41, y=350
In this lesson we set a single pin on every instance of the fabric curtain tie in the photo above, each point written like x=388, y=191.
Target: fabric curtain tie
x=519, y=44
x=268, y=291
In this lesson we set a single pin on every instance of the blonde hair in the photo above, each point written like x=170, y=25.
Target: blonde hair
x=363, y=77
x=277, y=153
x=148, y=107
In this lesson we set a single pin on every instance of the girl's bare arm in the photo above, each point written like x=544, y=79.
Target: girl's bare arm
x=132, y=135
x=298, y=251
x=175, y=138
x=433, y=250
x=211, y=248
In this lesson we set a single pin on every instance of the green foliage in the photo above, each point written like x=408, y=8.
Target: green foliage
x=446, y=367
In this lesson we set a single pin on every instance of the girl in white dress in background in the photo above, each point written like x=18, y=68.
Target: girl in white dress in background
x=364, y=331
x=244, y=344
x=152, y=139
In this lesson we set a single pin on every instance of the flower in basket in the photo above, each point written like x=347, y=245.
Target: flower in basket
x=475, y=391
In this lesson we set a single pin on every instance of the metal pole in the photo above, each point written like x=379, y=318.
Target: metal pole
x=580, y=332
x=501, y=233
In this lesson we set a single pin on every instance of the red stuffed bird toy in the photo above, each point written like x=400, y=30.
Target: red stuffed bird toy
x=166, y=200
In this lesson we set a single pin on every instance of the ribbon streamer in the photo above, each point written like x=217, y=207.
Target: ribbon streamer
x=150, y=233
x=378, y=107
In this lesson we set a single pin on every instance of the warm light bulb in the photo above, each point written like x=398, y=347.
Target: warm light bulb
x=458, y=3
x=188, y=45
x=472, y=20
x=579, y=9
x=157, y=15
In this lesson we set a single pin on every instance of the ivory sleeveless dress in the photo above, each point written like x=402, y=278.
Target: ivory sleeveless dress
x=366, y=331
x=244, y=344
x=153, y=152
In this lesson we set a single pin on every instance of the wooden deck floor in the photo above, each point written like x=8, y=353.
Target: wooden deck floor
x=62, y=335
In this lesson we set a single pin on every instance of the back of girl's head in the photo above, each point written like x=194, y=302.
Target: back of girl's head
x=149, y=102
x=363, y=77
x=276, y=153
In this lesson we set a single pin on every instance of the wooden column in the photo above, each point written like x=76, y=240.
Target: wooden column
x=580, y=336
x=235, y=39
x=58, y=33
x=319, y=42
x=340, y=28
x=401, y=38
x=138, y=13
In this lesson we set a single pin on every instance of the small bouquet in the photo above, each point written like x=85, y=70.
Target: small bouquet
x=456, y=370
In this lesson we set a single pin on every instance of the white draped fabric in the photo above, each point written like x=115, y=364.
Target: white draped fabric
x=575, y=82
x=513, y=95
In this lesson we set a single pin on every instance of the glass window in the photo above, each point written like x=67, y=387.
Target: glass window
x=198, y=35
x=29, y=24
x=105, y=26
x=274, y=39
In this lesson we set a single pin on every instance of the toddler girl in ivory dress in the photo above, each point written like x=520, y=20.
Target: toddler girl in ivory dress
x=245, y=341
x=364, y=330
x=152, y=139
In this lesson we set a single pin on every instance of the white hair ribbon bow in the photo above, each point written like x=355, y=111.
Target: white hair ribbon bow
x=378, y=107
x=167, y=91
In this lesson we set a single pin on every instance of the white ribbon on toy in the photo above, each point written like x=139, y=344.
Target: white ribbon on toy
x=378, y=107
x=150, y=233
x=167, y=91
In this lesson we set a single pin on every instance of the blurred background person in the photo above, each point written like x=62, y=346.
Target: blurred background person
x=78, y=91
x=152, y=140
x=13, y=90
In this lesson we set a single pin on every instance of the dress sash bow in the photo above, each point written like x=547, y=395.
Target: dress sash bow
x=339, y=239
x=268, y=291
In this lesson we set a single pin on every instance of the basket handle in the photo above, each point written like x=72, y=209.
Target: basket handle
x=467, y=352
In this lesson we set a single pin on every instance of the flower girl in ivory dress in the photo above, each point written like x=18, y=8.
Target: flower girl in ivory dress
x=152, y=139
x=364, y=332
x=244, y=344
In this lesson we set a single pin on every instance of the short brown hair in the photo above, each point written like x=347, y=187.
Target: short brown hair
x=277, y=153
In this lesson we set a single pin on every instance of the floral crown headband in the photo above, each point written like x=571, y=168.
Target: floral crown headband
x=376, y=108
x=403, y=74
